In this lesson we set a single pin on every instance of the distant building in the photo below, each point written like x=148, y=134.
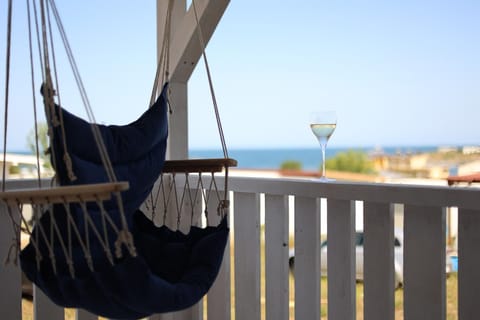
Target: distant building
x=447, y=149
x=403, y=162
x=22, y=166
x=465, y=168
x=471, y=149
x=447, y=161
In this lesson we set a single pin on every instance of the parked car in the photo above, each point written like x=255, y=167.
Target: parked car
x=359, y=236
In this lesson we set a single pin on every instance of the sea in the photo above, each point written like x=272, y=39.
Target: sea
x=310, y=158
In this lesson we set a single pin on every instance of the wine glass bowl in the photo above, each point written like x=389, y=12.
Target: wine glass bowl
x=323, y=124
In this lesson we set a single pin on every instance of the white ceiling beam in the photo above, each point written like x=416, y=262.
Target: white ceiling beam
x=185, y=46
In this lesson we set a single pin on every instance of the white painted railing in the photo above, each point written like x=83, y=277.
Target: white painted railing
x=424, y=253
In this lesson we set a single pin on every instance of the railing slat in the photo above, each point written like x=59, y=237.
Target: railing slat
x=218, y=298
x=10, y=275
x=276, y=257
x=307, y=258
x=424, y=262
x=193, y=313
x=184, y=225
x=378, y=262
x=468, y=264
x=44, y=308
x=424, y=274
x=341, y=259
x=163, y=316
x=81, y=314
x=247, y=256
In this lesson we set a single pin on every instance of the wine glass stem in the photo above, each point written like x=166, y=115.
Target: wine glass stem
x=323, y=146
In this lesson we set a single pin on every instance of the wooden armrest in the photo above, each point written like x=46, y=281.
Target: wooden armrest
x=198, y=165
x=86, y=192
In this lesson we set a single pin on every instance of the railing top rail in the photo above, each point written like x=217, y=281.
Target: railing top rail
x=465, y=197
x=444, y=196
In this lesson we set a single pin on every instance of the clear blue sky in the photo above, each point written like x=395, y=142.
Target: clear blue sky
x=397, y=72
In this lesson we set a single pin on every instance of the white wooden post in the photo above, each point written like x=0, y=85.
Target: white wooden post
x=378, y=262
x=219, y=296
x=177, y=146
x=468, y=264
x=10, y=275
x=185, y=51
x=341, y=259
x=276, y=257
x=81, y=314
x=44, y=308
x=307, y=258
x=247, y=255
x=424, y=263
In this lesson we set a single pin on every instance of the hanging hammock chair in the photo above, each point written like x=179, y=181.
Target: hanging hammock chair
x=100, y=238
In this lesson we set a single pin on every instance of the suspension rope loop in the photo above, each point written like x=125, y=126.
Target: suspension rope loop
x=7, y=89
x=66, y=157
x=210, y=82
x=164, y=61
x=34, y=100
x=39, y=44
x=14, y=248
x=95, y=130
x=162, y=73
x=47, y=9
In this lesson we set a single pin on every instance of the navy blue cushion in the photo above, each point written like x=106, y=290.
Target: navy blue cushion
x=136, y=151
x=171, y=271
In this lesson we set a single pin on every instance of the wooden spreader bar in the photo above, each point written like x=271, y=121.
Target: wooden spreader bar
x=85, y=192
x=198, y=165
x=103, y=191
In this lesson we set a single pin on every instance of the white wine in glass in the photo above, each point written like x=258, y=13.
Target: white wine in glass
x=323, y=123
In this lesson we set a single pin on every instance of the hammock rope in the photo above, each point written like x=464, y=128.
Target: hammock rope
x=7, y=87
x=162, y=74
x=83, y=246
x=210, y=82
x=34, y=101
x=86, y=102
x=225, y=203
x=167, y=188
x=123, y=234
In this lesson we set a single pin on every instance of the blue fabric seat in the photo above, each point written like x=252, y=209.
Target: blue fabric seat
x=171, y=270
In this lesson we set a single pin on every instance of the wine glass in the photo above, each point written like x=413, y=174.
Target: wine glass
x=323, y=123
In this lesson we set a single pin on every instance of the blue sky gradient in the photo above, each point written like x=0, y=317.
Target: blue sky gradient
x=397, y=72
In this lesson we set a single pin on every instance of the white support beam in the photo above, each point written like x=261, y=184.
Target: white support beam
x=185, y=52
x=186, y=48
x=185, y=45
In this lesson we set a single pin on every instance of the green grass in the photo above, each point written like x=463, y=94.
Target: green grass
x=451, y=295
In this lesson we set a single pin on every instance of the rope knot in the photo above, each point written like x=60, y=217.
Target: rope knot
x=125, y=237
x=223, y=207
x=14, y=249
x=68, y=164
x=48, y=93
